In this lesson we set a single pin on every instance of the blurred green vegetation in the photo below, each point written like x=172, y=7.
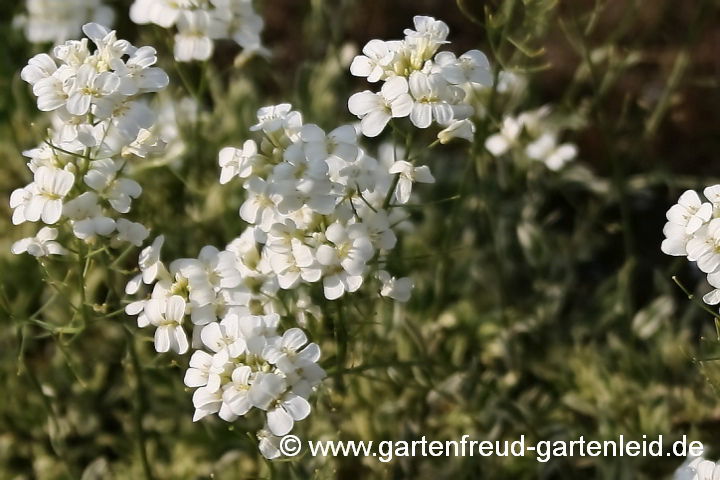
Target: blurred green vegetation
x=543, y=306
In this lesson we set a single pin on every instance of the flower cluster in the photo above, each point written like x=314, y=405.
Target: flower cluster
x=418, y=82
x=319, y=213
x=318, y=209
x=60, y=20
x=319, y=203
x=693, y=231
x=249, y=366
x=533, y=135
x=241, y=361
x=99, y=122
x=200, y=22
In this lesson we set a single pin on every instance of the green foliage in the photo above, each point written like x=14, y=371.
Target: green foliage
x=543, y=306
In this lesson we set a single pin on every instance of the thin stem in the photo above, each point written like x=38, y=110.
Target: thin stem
x=692, y=298
x=139, y=404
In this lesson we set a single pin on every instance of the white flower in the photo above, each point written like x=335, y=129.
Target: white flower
x=167, y=316
x=50, y=187
x=372, y=65
x=396, y=288
x=151, y=267
x=690, y=212
x=92, y=88
x=109, y=48
x=259, y=208
x=295, y=265
x=458, y=129
x=259, y=331
x=376, y=109
x=428, y=26
x=237, y=162
x=19, y=200
x=39, y=67
x=206, y=402
x=205, y=370
x=103, y=177
x=276, y=117
x=339, y=143
x=712, y=193
x=428, y=35
x=408, y=176
x=225, y=335
x=345, y=258
x=298, y=364
x=87, y=217
x=160, y=12
x=41, y=245
x=236, y=394
x=59, y=20
x=546, y=150
x=193, y=40
x=471, y=67
x=269, y=392
x=676, y=240
x=246, y=25
x=501, y=142
x=704, y=247
x=138, y=72
x=131, y=232
x=376, y=225
x=705, y=469
x=212, y=269
x=200, y=21
x=431, y=94
x=269, y=444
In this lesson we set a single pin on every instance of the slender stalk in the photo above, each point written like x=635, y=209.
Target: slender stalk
x=139, y=404
x=694, y=300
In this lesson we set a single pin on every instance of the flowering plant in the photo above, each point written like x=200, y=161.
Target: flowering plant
x=250, y=227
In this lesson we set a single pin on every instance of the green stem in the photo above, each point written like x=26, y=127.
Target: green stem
x=692, y=298
x=139, y=404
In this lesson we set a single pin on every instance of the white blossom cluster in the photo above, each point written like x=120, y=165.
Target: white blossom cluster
x=319, y=213
x=318, y=209
x=99, y=121
x=250, y=367
x=534, y=136
x=200, y=22
x=693, y=231
x=241, y=362
x=60, y=20
x=419, y=82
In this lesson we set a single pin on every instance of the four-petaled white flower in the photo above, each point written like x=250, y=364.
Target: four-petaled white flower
x=41, y=245
x=237, y=162
x=471, y=67
x=376, y=109
x=408, y=174
x=546, y=150
x=373, y=64
x=499, y=143
x=50, y=187
x=458, y=129
x=167, y=316
x=345, y=258
x=396, y=288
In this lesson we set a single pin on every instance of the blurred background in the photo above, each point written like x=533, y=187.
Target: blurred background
x=543, y=305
